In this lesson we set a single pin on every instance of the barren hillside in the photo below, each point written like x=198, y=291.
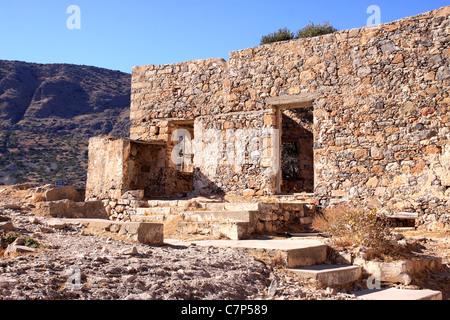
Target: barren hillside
x=49, y=111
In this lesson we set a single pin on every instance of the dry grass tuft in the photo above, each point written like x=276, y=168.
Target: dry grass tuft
x=353, y=226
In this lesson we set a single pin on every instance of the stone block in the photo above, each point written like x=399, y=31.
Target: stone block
x=231, y=230
x=270, y=119
x=56, y=223
x=402, y=271
x=71, y=209
x=133, y=195
x=147, y=233
x=431, y=150
x=248, y=193
x=57, y=194
x=361, y=153
x=141, y=232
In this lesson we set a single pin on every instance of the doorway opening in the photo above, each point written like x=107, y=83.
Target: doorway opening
x=297, y=150
x=182, y=155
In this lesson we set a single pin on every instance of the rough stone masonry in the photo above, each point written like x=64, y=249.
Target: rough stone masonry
x=358, y=116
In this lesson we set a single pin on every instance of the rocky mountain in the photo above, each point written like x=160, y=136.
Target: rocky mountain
x=47, y=114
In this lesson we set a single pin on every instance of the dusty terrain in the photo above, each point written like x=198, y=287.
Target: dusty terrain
x=112, y=268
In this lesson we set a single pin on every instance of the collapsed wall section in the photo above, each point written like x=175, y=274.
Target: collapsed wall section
x=121, y=172
x=105, y=173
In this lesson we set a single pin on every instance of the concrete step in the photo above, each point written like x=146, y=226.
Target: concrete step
x=220, y=216
x=330, y=275
x=291, y=253
x=397, y=294
x=307, y=256
x=231, y=230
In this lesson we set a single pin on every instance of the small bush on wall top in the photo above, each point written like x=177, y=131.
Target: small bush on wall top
x=311, y=30
x=281, y=35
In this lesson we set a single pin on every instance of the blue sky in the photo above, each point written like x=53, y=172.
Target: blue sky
x=121, y=34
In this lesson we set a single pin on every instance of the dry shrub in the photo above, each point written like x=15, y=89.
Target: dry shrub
x=192, y=205
x=353, y=226
x=38, y=197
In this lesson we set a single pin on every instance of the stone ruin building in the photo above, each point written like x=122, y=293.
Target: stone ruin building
x=359, y=116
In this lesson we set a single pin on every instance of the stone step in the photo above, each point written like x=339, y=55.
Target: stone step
x=230, y=206
x=156, y=218
x=220, y=216
x=403, y=215
x=330, y=275
x=154, y=211
x=306, y=234
x=231, y=230
x=397, y=294
x=166, y=203
x=295, y=196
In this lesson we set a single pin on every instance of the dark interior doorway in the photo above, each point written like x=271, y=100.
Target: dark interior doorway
x=297, y=150
x=182, y=156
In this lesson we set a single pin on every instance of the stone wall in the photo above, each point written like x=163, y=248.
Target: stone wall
x=105, y=172
x=121, y=172
x=234, y=152
x=177, y=91
x=381, y=116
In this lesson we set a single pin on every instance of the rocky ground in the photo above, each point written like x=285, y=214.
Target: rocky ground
x=71, y=263
x=110, y=268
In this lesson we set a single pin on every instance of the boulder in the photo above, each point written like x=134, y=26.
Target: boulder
x=68, y=192
x=56, y=224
